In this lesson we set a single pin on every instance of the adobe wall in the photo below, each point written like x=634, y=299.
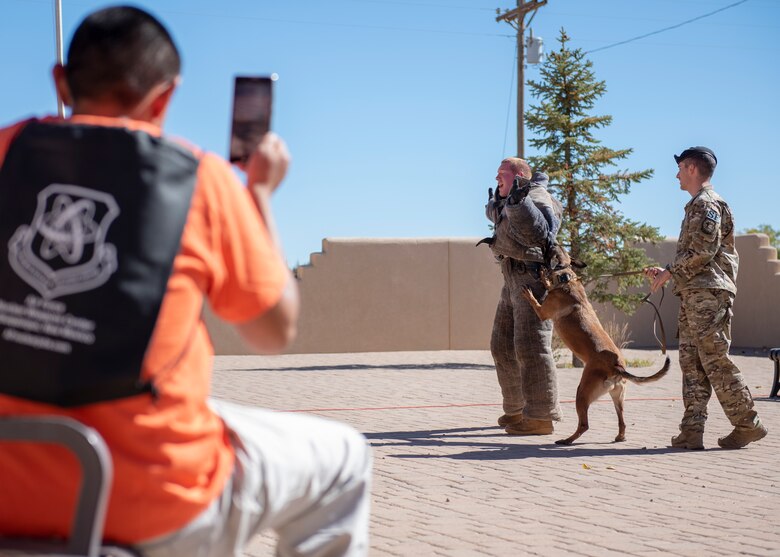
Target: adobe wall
x=366, y=295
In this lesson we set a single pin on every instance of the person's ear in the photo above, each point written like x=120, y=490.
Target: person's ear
x=61, y=85
x=162, y=100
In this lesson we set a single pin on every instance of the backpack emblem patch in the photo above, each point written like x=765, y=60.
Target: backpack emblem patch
x=63, y=250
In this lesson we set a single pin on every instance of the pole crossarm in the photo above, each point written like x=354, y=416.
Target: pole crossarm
x=519, y=12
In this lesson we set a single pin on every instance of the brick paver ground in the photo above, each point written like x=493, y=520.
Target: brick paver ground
x=448, y=482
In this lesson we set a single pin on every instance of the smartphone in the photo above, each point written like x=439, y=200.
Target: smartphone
x=251, y=114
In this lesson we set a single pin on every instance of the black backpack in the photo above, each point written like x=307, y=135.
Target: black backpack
x=91, y=219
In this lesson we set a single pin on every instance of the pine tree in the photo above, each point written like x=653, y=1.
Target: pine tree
x=593, y=229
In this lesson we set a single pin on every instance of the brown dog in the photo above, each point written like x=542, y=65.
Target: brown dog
x=576, y=323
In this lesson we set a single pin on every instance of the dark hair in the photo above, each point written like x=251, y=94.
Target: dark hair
x=704, y=164
x=122, y=53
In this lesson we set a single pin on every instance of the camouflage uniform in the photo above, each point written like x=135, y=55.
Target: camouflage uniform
x=521, y=344
x=705, y=274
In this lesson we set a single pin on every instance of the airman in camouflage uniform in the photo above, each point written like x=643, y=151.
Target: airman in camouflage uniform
x=705, y=275
x=526, y=219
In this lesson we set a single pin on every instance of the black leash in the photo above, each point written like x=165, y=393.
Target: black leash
x=646, y=300
x=620, y=274
x=657, y=319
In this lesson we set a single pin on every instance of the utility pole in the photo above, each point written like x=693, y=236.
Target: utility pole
x=516, y=18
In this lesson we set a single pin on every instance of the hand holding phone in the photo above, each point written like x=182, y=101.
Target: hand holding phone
x=252, y=101
x=268, y=164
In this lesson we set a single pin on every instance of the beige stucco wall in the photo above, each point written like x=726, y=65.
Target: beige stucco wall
x=363, y=295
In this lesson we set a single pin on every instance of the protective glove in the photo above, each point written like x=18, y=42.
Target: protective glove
x=494, y=205
x=520, y=188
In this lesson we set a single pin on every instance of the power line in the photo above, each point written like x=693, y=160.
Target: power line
x=729, y=47
x=318, y=23
x=332, y=24
x=509, y=101
x=426, y=4
x=667, y=28
x=602, y=17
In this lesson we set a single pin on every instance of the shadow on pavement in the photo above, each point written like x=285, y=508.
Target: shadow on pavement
x=514, y=448
x=453, y=365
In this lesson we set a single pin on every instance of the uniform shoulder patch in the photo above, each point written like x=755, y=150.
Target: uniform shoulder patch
x=712, y=215
x=710, y=222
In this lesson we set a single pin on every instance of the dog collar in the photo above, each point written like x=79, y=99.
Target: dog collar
x=563, y=279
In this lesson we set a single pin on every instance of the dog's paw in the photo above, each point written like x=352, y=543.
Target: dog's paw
x=620, y=438
x=563, y=442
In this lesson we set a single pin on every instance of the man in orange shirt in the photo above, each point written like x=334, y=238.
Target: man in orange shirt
x=112, y=236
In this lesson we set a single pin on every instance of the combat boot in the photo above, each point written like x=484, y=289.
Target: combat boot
x=691, y=440
x=506, y=419
x=530, y=427
x=742, y=436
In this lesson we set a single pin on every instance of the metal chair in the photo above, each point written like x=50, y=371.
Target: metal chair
x=97, y=473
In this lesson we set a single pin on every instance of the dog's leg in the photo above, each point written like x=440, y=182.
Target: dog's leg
x=582, y=405
x=535, y=305
x=591, y=387
x=618, y=394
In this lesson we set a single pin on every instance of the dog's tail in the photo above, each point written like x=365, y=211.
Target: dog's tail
x=655, y=377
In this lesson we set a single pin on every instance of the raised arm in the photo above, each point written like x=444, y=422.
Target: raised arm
x=274, y=330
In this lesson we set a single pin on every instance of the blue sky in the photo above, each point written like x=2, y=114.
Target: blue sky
x=396, y=111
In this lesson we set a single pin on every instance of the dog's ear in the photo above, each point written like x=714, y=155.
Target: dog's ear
x=577, y=263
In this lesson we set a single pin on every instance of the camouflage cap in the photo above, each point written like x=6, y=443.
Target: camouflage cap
x=698, y=152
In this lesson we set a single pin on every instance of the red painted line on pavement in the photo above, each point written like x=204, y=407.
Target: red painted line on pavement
x=454, y=405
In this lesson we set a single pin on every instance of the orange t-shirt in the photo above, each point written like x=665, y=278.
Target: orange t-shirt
x=172, y=456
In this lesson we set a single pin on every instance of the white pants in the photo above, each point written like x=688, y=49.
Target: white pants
x=306, y=478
